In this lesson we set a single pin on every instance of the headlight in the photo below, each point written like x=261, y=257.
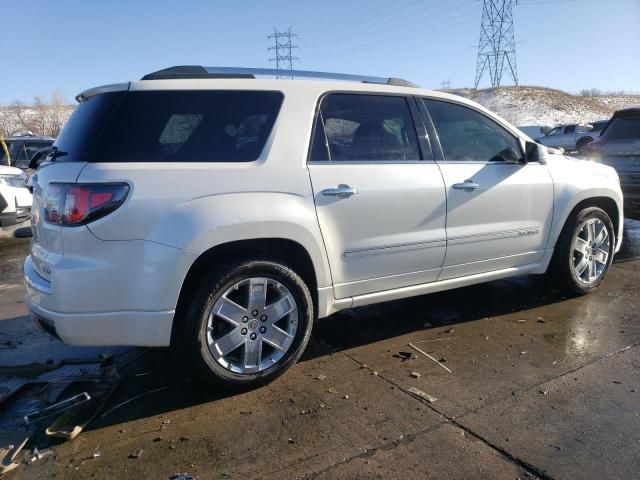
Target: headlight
x=17, y=181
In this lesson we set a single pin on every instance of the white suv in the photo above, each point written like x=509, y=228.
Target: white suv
x=15, y=198
x=208, y=209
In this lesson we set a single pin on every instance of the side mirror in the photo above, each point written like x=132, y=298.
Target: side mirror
x=534, y=152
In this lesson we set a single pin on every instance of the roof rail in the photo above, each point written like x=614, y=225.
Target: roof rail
x=195, y=71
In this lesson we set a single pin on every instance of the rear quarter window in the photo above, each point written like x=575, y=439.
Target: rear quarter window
x=189, y=126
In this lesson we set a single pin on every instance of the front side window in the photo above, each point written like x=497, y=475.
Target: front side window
x=554, y=132
x=376, y=128
x=468, y=135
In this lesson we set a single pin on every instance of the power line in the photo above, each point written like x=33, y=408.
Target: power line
x=283, y=49
x=497, y=48
x=393, y=27
x=460, y=20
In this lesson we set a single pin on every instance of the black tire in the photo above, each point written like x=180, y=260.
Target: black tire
x=192, y=338
x=561, y=271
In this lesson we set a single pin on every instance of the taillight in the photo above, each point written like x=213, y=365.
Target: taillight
x=72, y=204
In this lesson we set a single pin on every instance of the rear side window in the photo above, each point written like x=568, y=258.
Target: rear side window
x=81, y=131
x=189, y=126
x=468, y=135
x=570, y=129
x=376, y=128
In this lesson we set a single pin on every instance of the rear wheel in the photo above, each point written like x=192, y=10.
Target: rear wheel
x=584, y=251
x=248, y=323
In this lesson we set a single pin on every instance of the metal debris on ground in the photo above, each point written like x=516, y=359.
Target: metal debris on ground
x=332, y=390
x=30, y=397
x=420, y=394
x=435, y=340
x=121, y=404
x=56, y=408
x=136, y=453
x=182, y=476
x=40, y=454
x=415, y=374
x=429, y=356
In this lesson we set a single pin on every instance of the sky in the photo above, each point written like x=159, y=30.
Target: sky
x=70, y=46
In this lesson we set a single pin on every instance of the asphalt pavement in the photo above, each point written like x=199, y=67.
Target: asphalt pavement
x=539, y=386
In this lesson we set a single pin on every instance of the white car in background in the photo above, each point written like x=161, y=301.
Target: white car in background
x=15, y=198
x=572, y=137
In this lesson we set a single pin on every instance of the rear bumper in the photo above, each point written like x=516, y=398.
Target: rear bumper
x=104, y=328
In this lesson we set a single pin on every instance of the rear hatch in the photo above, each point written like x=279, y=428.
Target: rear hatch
x=74, y=146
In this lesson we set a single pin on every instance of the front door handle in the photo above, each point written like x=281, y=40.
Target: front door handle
x=341, y=191
x=467, y=186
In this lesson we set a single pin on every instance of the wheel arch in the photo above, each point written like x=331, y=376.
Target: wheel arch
x=608, y=204
x=284, y=250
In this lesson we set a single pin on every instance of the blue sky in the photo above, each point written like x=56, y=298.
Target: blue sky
x=72, y=45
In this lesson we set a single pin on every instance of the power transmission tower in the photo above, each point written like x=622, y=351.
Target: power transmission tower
x=497, y=47
x=446, y=84
x=283, y=49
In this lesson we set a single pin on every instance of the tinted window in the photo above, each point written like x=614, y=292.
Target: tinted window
x=623, y=128
x=189, y=126
x=554, y=131
x=82, y=129
x=570, y=129
x=364, y=128
x=466, y=134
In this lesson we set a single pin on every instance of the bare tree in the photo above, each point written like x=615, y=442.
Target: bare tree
x=57, y=113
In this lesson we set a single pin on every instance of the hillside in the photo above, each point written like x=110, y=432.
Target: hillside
x=545, y=106
x=519, y=105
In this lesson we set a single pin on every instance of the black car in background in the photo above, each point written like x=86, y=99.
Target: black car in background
x=22, y=148
x=619, y=147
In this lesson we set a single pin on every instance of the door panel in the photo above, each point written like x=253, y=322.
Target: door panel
x=503, y=223
x=499, y=209
x=380, y=206
x=390, y=234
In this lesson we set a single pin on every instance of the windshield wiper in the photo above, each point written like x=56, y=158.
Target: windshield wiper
x=51, y=151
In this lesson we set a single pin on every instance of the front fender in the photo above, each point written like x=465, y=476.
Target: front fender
x=202, y=223
x=576, y=181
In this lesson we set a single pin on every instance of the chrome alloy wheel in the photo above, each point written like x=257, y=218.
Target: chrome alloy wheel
x=591, y=250
x=252, y=325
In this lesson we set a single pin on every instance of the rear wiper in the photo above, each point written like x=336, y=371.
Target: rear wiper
x=51, y=151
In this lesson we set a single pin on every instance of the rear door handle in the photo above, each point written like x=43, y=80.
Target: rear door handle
x=341, y=191
x=467, y=186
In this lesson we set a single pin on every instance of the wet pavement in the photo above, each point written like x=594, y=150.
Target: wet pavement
x=541, y=386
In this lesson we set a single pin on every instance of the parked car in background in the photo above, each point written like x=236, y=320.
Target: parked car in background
x=15, y=198
x=572, y=137
x=21, y=149
x=534, y=131
x=619, y=147
x=224, y=214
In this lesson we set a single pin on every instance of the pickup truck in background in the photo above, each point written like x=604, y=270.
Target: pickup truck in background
x=572, y=137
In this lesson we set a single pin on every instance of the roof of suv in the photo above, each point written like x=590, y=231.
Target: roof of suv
x=627, y=112
x=314, y=83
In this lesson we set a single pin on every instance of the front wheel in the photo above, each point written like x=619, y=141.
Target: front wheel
x=584, y=251
x=248, y=323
